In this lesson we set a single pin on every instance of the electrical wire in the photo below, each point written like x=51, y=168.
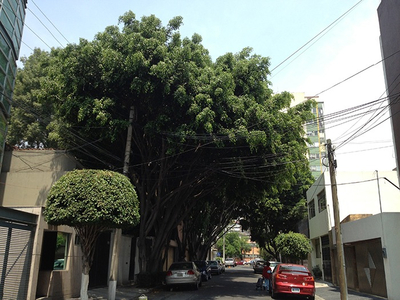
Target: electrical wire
x=325, y=29
x=49, y=21
x=62, y=46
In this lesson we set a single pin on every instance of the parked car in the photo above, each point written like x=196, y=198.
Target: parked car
x=183, y=273
x=240, y=263
x=204, y=269
x=215, y=267
x=58, y=264
x=258, y=266
x=230, y=262
x=292, y=279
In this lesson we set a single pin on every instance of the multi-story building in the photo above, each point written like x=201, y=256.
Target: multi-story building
x=315, y=130
x=370, y=217
x=12, y=17
x=389, y=22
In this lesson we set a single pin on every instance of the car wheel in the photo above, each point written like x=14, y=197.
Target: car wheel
x=273, y=295
x=196, y=286
x=209, y=276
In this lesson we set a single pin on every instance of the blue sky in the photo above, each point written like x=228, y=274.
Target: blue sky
x=273, y=28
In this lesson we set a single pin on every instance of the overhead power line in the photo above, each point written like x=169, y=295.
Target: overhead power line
x=50, y=21
x=45, y=27
x=321, y=32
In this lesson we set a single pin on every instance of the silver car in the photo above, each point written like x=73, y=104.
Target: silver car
x=183, y=273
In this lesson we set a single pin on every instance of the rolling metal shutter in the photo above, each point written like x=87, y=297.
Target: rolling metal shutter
x=16, y=243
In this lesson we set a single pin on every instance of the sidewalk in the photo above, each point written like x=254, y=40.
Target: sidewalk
x=327, y=291
x=123, y=293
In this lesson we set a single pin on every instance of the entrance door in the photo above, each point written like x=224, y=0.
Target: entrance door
x=98, y=275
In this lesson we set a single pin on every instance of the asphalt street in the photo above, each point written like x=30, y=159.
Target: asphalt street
x=236, y=283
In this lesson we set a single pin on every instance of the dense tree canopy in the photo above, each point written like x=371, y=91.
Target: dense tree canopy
x=204, y=133
x=31, y=114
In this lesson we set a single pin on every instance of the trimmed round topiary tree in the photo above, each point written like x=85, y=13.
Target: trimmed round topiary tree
x=92, y=201
x=293, y=246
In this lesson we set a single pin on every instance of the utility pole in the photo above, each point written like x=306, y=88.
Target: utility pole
x=223, y=249
x=338, y=231
x=112, y=284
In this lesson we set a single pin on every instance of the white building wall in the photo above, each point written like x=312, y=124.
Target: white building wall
x=359, y=193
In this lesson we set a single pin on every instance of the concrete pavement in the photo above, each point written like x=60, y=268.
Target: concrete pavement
x=327, y=291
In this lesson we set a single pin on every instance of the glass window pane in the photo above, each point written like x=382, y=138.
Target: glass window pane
x=7, y=24
x=60, y=256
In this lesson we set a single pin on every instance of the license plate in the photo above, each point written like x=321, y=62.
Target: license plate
x=295, y=290
x=180, y=274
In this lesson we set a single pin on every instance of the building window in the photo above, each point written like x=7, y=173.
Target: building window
x=317, y=248
x=54, y=250
x=311, y=209
x=321, y=201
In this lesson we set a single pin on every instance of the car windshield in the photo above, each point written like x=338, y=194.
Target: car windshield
x=260, y=263
x=213, y=262
x=181, y=266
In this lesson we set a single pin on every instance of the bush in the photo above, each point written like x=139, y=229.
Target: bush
x=317, y=272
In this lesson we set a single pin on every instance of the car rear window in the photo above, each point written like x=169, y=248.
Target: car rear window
x=293, y=268
x=213, y=262
x=181, y=266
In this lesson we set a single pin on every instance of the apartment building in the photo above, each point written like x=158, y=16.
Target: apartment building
x=12, y=17
x=315, y=130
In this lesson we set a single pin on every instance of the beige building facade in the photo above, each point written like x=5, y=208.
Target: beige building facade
x=26, y=177
x=51, y=255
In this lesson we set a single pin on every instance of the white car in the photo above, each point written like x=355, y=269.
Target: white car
x=183, y=273
x=230, y=262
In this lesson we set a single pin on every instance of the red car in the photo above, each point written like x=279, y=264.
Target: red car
x=291, y=279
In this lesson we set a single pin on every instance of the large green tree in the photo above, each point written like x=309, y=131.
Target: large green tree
x=30, y=113
x=91, y=201
x=199, y=128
